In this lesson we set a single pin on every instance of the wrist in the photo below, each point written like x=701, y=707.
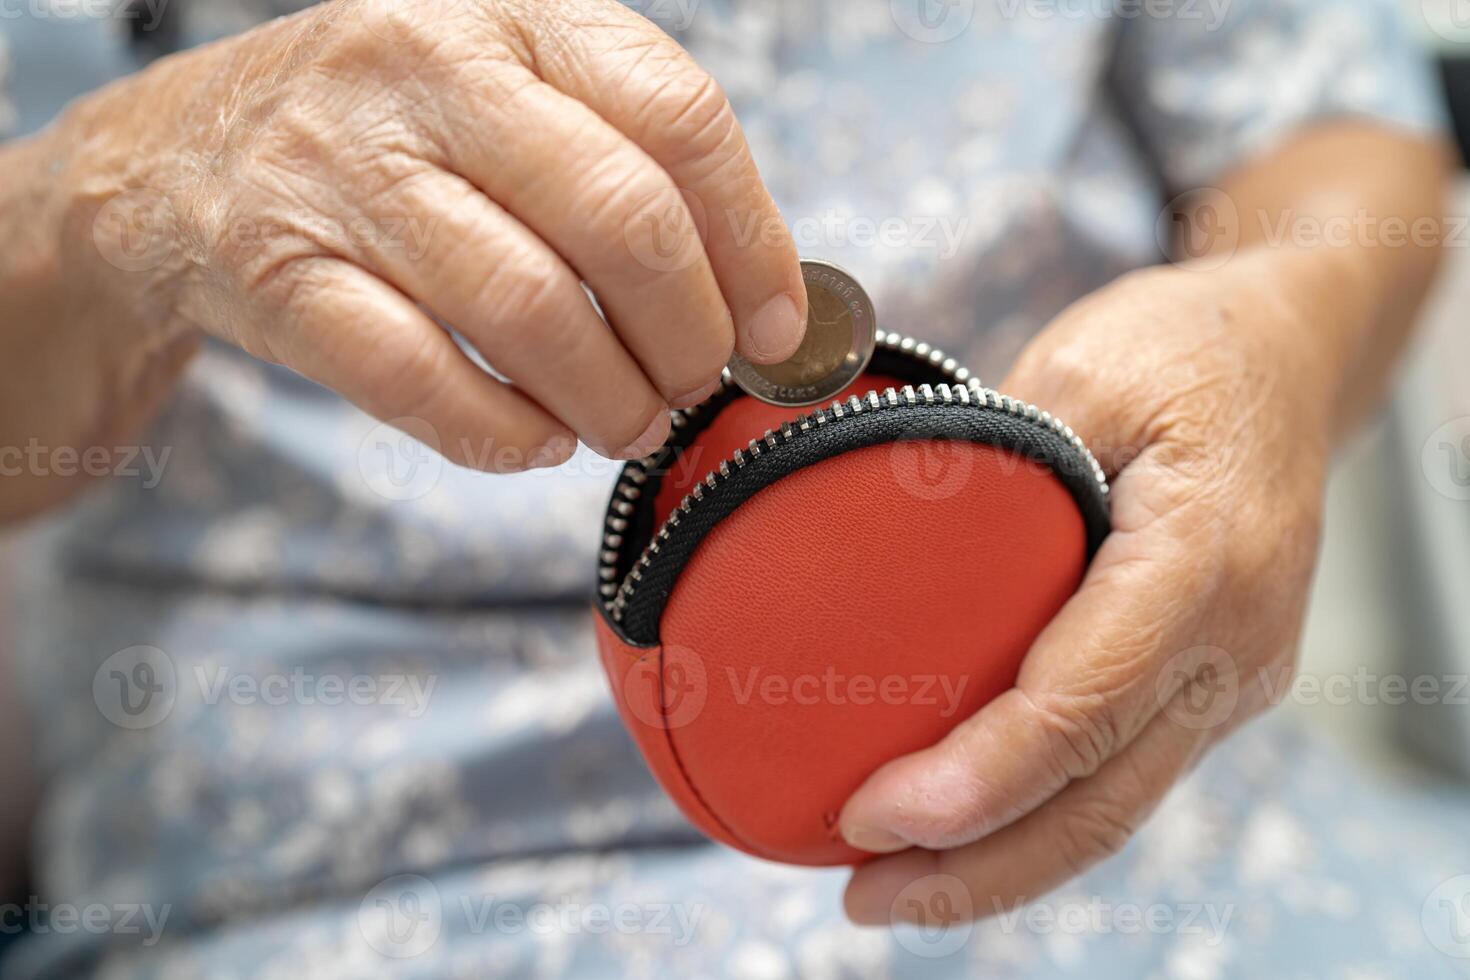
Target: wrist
x=86, y=306
x=1325, y=304
x=116, y=165
x=137, y=167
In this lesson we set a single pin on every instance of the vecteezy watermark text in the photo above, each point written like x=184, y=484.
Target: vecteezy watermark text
x=149, y=12
x=408, y=691
x=1365, y=687
x=565, y=917
x=833, y=230
x=408, y=234
x=833, y=687
x=37, y=459
x=138, y=687
x=1210, y=13
x=40, y=918
x=402, y=917
x=1098, y=917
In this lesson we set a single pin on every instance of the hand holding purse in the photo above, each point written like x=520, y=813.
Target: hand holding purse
x=791, y=599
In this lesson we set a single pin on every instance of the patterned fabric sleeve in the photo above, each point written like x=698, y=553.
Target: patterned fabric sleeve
x=1211, y=82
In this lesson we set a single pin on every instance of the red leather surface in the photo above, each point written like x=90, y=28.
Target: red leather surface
x=648, y=709
x=741, y=421
x=848, y=614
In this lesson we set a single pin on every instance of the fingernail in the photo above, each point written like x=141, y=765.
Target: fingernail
x=774, y=332
x=695, y=397
x=652, y=438
x=874, y=840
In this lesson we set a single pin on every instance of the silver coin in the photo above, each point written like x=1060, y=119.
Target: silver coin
x=841, y=332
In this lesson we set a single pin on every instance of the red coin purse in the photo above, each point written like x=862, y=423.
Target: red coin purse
x=791, y=598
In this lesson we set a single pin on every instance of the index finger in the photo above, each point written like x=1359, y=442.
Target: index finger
x=646, y=86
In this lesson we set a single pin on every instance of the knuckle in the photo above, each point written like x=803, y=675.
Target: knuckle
x=379, y=64
x=346, y=136
x=621, y=190
x=1065, y=366
x=373, y=32
x=380, y=171
x=293, y=135
x=287, y=280
x=637, y=206
x=535, y=315
x=1183, y=469
x=1091, y=831
x=253, y=232
x=689, y=119
x=410, y=379
x=1080, y=732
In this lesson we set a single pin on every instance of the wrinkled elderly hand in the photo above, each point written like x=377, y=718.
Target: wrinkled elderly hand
x=321, y=190
x=1205, y=399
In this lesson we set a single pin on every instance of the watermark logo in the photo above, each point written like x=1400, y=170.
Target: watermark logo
x=1445, y=917
x=136, y=231
x=933, y=916
x=927, y=468
x=665, y=232
x=1098, y=917
x=671, y=15
x=1199, y=688
x=1201, y=227
x=667, y=690
x=932, y=21
x=1449, y=19
x=135, y=688
x=1445, y=459
x=401, y=917
x=400, y=459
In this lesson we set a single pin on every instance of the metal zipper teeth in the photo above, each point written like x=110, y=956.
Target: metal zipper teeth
x=635, y=473
x=966, y=390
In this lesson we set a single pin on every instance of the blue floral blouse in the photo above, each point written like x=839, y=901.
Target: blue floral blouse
x=309, y=702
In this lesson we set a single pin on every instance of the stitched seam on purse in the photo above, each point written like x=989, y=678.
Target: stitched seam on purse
x=689, y=781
